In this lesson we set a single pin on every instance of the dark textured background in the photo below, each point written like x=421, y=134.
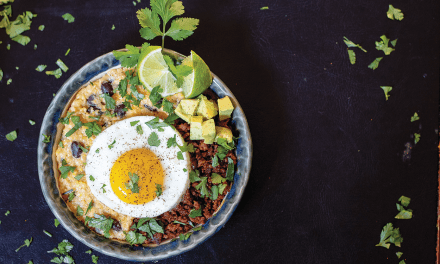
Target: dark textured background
x=328, y=162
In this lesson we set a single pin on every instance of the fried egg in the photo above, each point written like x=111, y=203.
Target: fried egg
x=127, y=174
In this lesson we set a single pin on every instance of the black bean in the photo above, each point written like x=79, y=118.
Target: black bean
x=151, y=108
x=120, y=110
x=76, y=150
x=106, y=87
x=93, y=106
x=116, y=225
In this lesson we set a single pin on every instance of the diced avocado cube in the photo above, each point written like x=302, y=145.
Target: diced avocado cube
x=223, y=132
x=208, y=109
x=225, y=108
x=195, y=133
x=181, y=114
x=208, y=131
x=189, y=106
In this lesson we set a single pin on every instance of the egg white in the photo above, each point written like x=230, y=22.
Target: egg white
x=99, y=165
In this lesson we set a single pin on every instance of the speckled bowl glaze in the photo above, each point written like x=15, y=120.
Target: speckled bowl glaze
x=113, y=248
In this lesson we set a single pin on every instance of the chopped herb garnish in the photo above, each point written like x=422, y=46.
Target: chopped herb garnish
x=41, y=28
x=79, y=211
x=351, y=44
x=194, y=176
x=133, y=183
x=180, y=28
x=35, y=46
x=91, y=178
x=155, y=96
x=57, y=73
x=179, y=72
x=97, y=150
x=139, y=130
x=89, y=207
x=112, y=144
x=88, y=251
x=9, y=81
x=185, y=170
x=153, y=140
x=375, y=63
x=416, y=138
x=394, y=13
x=197, y=228
x=92, y=129
x=171, y=142
x=264, y=8
x=102, y=187
x=128, y=58
x=180, y=155
x=170, y=119
x=156, y=124
x=351, y=56
x=32, y=122
x=27, y=243
x=63, y=248
x=46, y=138
x=195, y=213
x=134, y=238
x=167, y=106
x=390, y=235
x=214, y=190
x=7, y=213
x=65, y=170
x=217, y=178
x=8, y=47
x=133, y=123
x=101, y=222
x=394, y=42
x=95, y=117
x=71, y=196
x=79, y=176
x=109, y=101
x=67, y=52
x=113, y=27
x=204, y=191
x=11, y=136
x=66, y=119
x=60, y=144
x=95, y=259
x=383, y=45
x=230, y=170
x=183, y=237
x=221, y=188
x=158, y=190
x=215, y=161
x=186, y=147
x=68, y=17
x=177, y=222
x=83, y=148
x=399, y=254
x=415, y=117
x=386, y=90
x=62, y=66
x=77, y=125
x=56, y=222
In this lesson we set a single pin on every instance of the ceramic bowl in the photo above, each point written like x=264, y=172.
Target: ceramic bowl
x=94, y=70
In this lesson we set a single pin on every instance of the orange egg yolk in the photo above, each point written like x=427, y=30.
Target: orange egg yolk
x=142, y=162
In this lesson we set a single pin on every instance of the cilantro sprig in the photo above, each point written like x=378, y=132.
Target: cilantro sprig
x=390, y=235
x=161, y=12
x=133, y=183
x=101, y=222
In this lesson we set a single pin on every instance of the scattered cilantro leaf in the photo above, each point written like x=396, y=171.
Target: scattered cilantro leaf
x=180, y=155
x=139, y=130
x=167, y=106
x=351, y=56
x=67, y=52
x=60, y=144
x=46, y=138
x=57, y=73
x=170, y=119
x=83, y=148
x=79, y=176
x=186, y=147
x=375, y=63
x=76, y=120
x=56, y=222
x=217, y=178
x=386, y=90
x=153, y=140
x=71, y=196
x=41, y=28
x=264, y=8
x=404, y=214
x=47, y=233
x=415, y=117
x=32, y=122
x=351, y=44
x=109, y=101
x=171, y=142
x=66, y=120
x=9, y=81
x=179, y=72
x=89, y=207
x=62, y=66
x=65, y=170
x=230, y=170
x=399, y=254
x=394, y=13
x=101, y=222
x=155, y=227
x=390, y=235
x=102, y=187
x=57, y=260
x=183, y=237
x=79, y=211
x=68, y=17
x=63, y=248
x=221, y=188
x=197, y=228
x=214, y=190
x=133, y=123
x=133, y=183
x=35, y=46
x=112, y=144
x=7, y=212
x=194, y=176
x=156, y=124
x=402, y=262
x=142, y=221
x=95, y=259
x=404, y=200
x=128, y=58
x=158, y=190
x=155, y=96
x=394, y=42
x=177, y=222
x=23, y=40
x=92, y=129
x=88, y=251
x=27, y=243
x=11, y=136
x=195, y=213
x=214, y=161
x=204, y=191
x=383, y=45
x=91, y=178
x=134, y=238
x=416, y=138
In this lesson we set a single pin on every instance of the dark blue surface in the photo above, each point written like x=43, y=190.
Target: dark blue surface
x=328, y=162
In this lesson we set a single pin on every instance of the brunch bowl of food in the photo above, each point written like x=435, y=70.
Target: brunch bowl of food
x=140, y=173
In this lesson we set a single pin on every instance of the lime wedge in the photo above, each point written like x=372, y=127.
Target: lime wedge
x=200, y=78
x=153, y=71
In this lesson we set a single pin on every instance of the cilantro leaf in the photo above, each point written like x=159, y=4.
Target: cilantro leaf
x=194, y=176
x=57, y=260
x=394, y=42
x=32, y=122
x=158, y=190
x=230, y=170
x=386, y=90
x=79, y=211
x=155, y=96
x=180, y=155
x=92, y=129
x=186, y=147
x=167, y=106
x=375, y=63
x=79, y=176
x=47, y=233
x=88, y=251
x=204, y=191
x=170, y=119
x=57, y=73
x=71, y=196
x=56, y=222
x=415, y=117
x=179, y=72
x=9, y=81
x=183, y=237
x=68, y=17
x=150, y=23
x=1, y=75
x=133, y=183
x=77, y=125
x=195, y=213
x=109, y=101
x=171, y=142
x=351, y=56
x=89, y=207
x=134, y=238
x=41, y=28
x=46, y=138
x=153, y=140
x=41, y=68
x=63, y=248
x=383, y=45
x=66, y=120
x=394, y=13
x=7, y=213
x=128, y=58
x=95, y=259
x=113, y=27
x=65, y=170
x=264, y=8
x=416, y=138
x=404, y=214
x=23, y=40
x=91, y=178
x=215, y=161
x=27, y=243
x=156, y=124
x=112, y=144
x=155, y=227
x=62, y=66
x=11, y=136
x=221, y=188
x=101, y=222
x=384, y=236
x=133, y=123
x=67, y=52
x=181, y=28
x=399, y=254
x=214, y=190
x=404, y=200
x=351, y=44
x=217, y=178
x=122, y=87
x=139, y=130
